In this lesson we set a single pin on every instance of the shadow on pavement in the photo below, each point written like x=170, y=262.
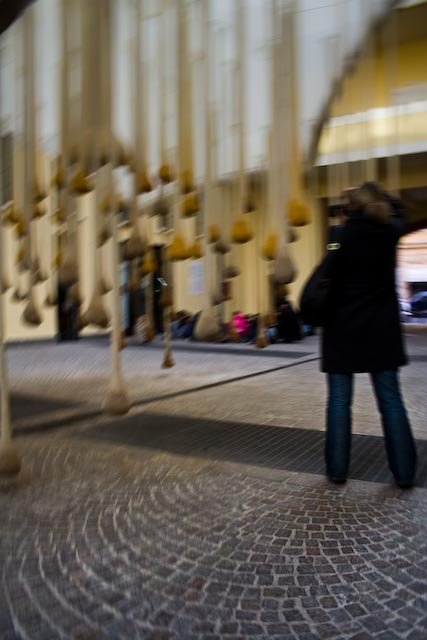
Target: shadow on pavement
x=25, y=405
x=230, y=350
x=282, y=448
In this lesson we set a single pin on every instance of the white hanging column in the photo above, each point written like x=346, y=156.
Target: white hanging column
x=263, y=212
x=31, y=314
x=207, y=326
x=68, y=186
x=166, y=300
x=284, y=270
x=10, y=459
x=116, y=400
x=20, y=291
x=136, y=246
x=97, y=66
x=240, y=231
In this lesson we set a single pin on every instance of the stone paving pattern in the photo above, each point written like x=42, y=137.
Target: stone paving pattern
x=295, y=397
x=77, y=373
x=127, y=537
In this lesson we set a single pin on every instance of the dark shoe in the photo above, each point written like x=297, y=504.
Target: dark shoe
x=405, y=485
x=337, y=480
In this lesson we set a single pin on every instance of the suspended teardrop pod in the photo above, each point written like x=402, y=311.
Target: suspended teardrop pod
x=213, y=234
x=51, y=299
x=230, y=272
x=196, y=251
x=4, y=284
x=284, y=271
x=298, y=213
x=168, y=360
x=105, y=287
x=123, y=156
x=74, y=294
x=10, y=216
x=147, y=270
x=185, y=106
x=165, y=172
x=59, y=177
x=79, y=184
x=270, y=246
x=43, y=232
x=31, y=314
x=38, y=195
x=143, y=183
x=68, y=273
x=96, y=313
x=166, y=301
x=20, y=291
x=241, y=232
x=292, y=235
x=5, y=281
x=148, y=264
x=298, y=209
x=39, y=273
x=135, y=246
x=222, y=247
x=190, y=205
x=175, y=252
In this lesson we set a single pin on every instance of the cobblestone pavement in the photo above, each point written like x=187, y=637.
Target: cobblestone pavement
x=51, y=378
x=56, y=381
x=295, y=397
x=179, y=523
x=102, y=541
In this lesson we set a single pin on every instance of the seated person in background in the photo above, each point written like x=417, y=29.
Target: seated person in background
x=240, y=324
x=186, y=331
x=252, y=328
x=288, y=327
x=177, y=323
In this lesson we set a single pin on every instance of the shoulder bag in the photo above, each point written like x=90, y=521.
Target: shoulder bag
x=315, y=297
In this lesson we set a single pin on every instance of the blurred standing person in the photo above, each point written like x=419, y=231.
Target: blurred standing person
x=348, y=205
x=288, y=327
x=362, y=334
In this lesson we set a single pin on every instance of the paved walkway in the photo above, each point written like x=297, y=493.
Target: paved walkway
x=54, y=382
x=206, y=516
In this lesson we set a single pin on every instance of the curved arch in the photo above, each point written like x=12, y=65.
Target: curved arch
x=10, y=10
x=416, y=225
x=336, y=87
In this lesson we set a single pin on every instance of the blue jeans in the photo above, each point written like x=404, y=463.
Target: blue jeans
x=400, y=445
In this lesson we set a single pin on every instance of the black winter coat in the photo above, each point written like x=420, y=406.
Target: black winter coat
x=362, y=332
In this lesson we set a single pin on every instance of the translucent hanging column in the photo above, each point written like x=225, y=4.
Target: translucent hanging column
x=10, y=458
